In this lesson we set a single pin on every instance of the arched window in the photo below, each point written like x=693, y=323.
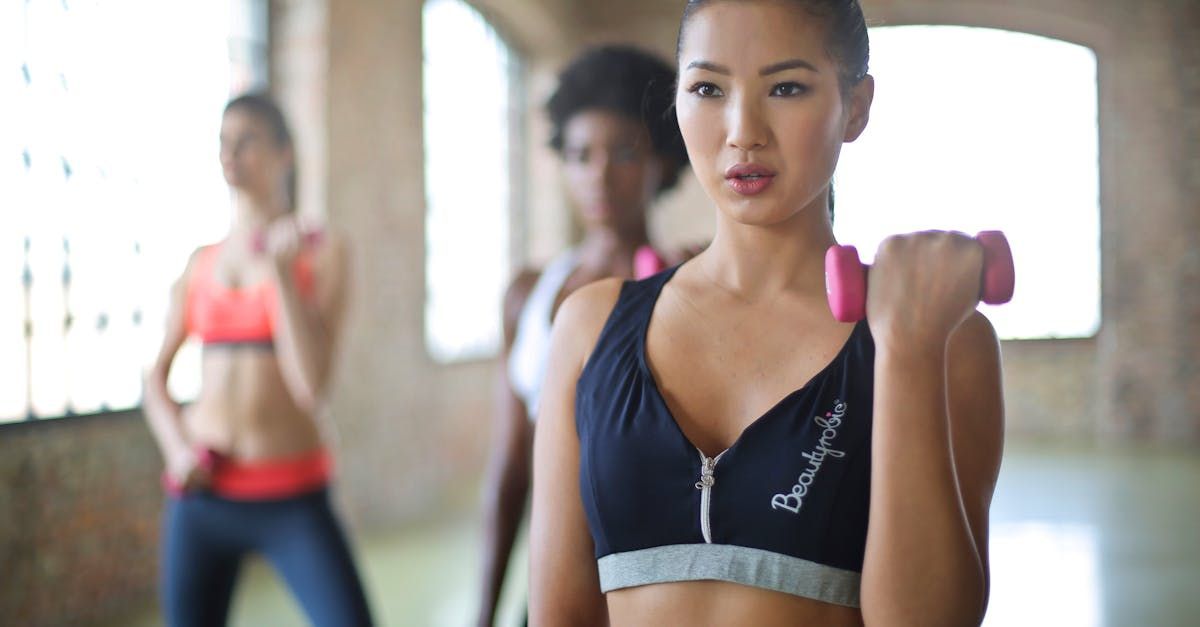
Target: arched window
x=109, y=178
x=469, y=79
x=975, y=129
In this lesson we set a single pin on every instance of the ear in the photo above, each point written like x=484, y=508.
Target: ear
x=861, y=97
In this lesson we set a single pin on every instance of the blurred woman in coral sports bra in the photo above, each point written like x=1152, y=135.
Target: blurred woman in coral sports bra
x=246, y=469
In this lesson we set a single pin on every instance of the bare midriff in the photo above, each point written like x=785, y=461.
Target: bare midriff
x=701, y=603
x=244, y=409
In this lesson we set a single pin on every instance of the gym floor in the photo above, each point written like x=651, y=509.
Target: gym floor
x=1080, y=537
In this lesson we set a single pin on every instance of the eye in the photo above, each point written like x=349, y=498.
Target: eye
x=789, y=90
x=248, y=140
x=706, y=90
x=575, y=155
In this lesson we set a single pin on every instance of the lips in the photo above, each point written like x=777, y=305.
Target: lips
x=749, y=179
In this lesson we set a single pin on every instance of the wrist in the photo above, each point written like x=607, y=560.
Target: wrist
x=911, y=355
x=910, y=342
x=178, y=458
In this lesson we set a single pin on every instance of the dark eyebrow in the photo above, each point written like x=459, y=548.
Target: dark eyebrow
x=774, y=68
x=711, y=67
x=790, y=64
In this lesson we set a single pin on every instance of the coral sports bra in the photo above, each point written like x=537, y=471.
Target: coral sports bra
x=219, y=314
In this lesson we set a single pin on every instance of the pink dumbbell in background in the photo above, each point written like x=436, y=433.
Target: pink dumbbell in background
x=647, y=262
x=846, y=277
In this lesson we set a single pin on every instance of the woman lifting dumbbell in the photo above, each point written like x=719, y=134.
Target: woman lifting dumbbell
x=246, y=471
x=711, y=439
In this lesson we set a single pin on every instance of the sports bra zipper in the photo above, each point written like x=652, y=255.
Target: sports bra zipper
x=708, y=466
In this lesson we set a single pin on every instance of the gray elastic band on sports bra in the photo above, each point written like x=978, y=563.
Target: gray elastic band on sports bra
x=737, y=564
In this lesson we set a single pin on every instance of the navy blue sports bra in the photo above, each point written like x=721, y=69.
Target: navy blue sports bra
x=784, y=508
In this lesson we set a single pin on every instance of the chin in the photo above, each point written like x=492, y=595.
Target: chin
x=762, y=220
x=757, y=211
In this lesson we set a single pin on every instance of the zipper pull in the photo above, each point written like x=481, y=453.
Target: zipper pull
x=706, y=474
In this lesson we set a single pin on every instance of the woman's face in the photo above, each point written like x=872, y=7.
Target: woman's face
x=760, y=108
x=251, y=160
x=611, y=168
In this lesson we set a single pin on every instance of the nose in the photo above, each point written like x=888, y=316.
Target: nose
x=747, y=129
x=600, y=169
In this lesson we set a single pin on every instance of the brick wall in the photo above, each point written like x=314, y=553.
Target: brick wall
x=79, y=515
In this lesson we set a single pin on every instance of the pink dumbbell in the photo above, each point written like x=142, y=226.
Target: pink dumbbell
x=647, y=262
x=308, y=238
x=846, y=277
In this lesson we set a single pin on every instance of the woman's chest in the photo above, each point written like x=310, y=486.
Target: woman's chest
x=719, y=379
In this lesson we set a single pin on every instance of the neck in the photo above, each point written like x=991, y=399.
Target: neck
x=609, y=250
x=253, y=212
x=752, y=261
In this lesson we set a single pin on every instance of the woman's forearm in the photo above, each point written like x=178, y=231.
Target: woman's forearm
x=506, y=490
x=922, y=566
x=162, y=414
x=301, y=344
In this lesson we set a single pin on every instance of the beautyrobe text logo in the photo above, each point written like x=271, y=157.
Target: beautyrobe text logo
x=830, y=423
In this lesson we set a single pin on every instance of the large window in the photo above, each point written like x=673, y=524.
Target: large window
x=977, y=129
x=108, y=180
x=469, y=145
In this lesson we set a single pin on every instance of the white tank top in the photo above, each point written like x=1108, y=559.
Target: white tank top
x=531, y=346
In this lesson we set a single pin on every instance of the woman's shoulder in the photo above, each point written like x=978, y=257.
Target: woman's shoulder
x=523, y=284
x=583, y=314
x=516, y=295
x=199, y=257
x=519, y=288
x=592, y=301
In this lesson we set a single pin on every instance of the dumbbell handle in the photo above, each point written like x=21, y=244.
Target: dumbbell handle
x=846, y=277
x=308, y=238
